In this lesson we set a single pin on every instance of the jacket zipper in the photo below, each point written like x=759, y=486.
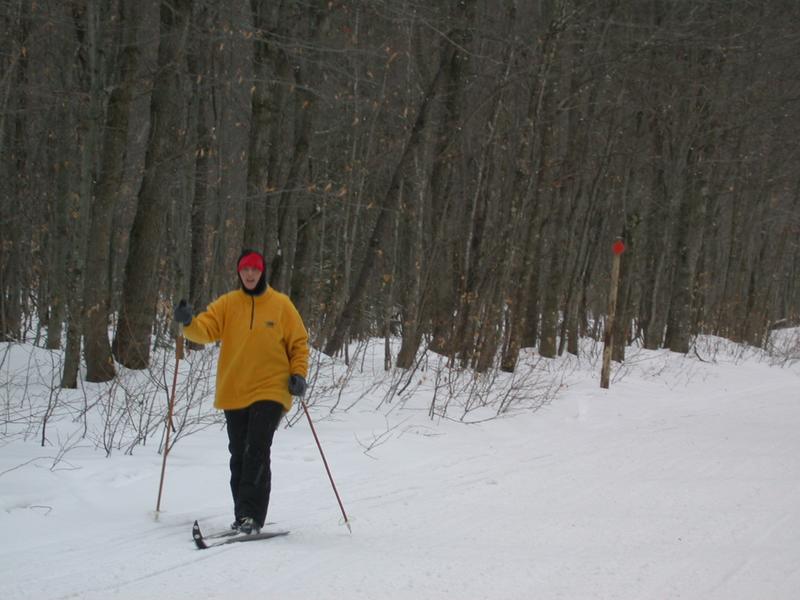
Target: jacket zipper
x=252, y=311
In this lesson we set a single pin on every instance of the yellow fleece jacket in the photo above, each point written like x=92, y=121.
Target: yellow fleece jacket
x=263, y=340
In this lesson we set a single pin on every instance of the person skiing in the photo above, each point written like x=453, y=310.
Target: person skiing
x=263, y=362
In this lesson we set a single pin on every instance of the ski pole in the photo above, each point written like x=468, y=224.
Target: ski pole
x=325, y=462
x=178, y=357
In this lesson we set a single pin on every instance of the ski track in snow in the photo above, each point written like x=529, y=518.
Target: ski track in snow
x=646, y=491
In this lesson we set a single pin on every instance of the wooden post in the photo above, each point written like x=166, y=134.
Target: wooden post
x=170, y=408
x=608, y=335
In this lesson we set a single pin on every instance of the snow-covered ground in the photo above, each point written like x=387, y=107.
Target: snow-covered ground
x=681, y=481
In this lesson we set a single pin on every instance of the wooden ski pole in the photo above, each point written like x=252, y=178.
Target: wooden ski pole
x=170, y=409
x=608, y=335
x=325, y=462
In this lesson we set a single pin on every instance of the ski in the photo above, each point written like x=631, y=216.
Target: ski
x=223, y=533
x=223, y=538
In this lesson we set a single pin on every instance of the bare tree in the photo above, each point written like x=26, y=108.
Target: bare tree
x=168, y=131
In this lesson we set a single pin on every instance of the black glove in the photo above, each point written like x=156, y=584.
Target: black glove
x=183, y=313
x=297, y=385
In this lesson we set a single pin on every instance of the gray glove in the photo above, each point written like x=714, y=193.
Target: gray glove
x=297, y=385
x=183, y=313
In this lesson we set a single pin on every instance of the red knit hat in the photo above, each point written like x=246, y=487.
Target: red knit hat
x=253, y=259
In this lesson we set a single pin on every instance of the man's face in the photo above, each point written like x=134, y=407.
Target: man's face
x=250, y=277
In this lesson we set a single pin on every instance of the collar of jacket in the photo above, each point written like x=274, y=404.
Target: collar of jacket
x=250, y=294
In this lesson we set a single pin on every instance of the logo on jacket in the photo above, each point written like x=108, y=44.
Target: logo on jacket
x=269, y=323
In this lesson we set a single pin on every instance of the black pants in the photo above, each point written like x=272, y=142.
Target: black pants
x=250, y=433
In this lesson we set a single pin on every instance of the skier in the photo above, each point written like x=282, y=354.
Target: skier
x=263, y=362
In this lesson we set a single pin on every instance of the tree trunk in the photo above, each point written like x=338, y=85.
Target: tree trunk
x=59, y=238
x=233, y=102
x=140, y=288
x=448, y=138
x=13, y=169
x=93, y=81
x=97, y=290
x=554, y=280
x=412, y=330
x=305, y=107
x=679, y=324
x=263, y=115
x=203, y=191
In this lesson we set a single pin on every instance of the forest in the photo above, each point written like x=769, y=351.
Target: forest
x=448, y=174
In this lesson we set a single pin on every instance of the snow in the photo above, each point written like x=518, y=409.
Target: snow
x=680, y=481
